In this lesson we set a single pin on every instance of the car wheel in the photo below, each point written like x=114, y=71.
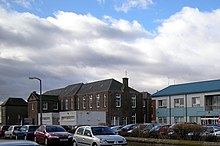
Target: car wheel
x=35, y=139
x=46, y=142
x=74, y=143
x=94, y=144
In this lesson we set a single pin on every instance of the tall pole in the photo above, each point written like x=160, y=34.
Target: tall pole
x=40, y=97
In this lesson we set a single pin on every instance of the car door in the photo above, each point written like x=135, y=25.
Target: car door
x=78, y=136
x=87, y=137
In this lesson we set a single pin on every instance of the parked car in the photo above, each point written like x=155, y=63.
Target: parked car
x=17, y=143
x=3, y=128
x=97, y=136
x=211, y=131
x=52, y=134
x=116, y=128
x=158, y=131
x=26, y=132
x=124, y=130
x=12, y=130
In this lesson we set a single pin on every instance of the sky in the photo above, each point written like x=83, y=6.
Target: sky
x=155, y=43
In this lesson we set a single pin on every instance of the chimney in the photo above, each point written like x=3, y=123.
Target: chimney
x=125, y=84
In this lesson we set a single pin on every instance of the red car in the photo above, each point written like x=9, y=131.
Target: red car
x=3, y=129
x=52, y=134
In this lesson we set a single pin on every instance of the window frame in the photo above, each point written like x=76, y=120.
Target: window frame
x=118, y=100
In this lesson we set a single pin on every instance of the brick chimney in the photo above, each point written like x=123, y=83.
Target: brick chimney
x=125, y=84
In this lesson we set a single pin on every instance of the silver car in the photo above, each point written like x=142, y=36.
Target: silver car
x=97, y=136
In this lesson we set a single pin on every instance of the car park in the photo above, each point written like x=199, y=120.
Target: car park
x=52, y=134
x=12, y=130
x=26, y=132
x=97, y=136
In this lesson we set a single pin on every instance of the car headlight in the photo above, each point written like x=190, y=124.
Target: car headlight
x=103, y=141
x=53, y=136
x=124, y=140
x=70, y=136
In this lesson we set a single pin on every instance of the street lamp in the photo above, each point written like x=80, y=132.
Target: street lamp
x=32, y=78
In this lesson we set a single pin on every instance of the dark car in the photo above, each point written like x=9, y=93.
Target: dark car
x=3, y=128
x=124, y=131
x=159, y=131
x=18, y=143
x=26, y=132
x=52, y=134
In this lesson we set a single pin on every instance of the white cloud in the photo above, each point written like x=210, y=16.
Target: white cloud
x=129, y=4
x=70, y=48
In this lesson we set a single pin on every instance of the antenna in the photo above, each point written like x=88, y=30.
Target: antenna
x=126, y=73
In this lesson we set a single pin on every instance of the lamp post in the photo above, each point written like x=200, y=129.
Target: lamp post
x=32, y=78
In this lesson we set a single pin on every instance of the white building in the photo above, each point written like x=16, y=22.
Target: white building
x=192, y=102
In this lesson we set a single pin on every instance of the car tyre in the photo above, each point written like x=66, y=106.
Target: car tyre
x=46, y=142
x=74, y=143
x=94, y=144
x=35, y=139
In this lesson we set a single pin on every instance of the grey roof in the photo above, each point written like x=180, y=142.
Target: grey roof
x=44, y=97
x=67, y=91
x=189, y=88
x=11, y=101
x=98, y=86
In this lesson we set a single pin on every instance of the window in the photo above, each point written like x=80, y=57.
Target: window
x=32, y=106
x=162, y=120
x=71, y=104
x=97, y=100
x=84, y=102
x=80, y=131
x=118, y=100
x=193, y=119
x=178, y=103
x=77, y=99
x=55, y=106
x=45, y=106
x=61, y=104
x=105, y=100
x=67, y=104
x=134, y=119
x=90, y=101
x=133, y=101
x=195, y=101
x=178, y=119
x=144, y=102
x=162, y=103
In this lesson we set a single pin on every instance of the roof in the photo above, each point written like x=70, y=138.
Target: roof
x=66, y=91
x=11, y=101
x=189, y=88
x=93, y=87
x=98, y=86
x=44, y=97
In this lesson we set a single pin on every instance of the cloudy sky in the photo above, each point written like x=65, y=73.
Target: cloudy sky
x=155, y=43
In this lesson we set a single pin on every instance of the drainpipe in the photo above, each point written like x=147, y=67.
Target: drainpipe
x=170, y=108
x=186, y=106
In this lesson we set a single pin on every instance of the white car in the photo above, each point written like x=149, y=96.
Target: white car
x=11, y=132
x=97, y=136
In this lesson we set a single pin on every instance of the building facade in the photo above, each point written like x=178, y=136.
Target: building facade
x=13, y=111
x=119, y=103
x=50, y=104
x=192, y=102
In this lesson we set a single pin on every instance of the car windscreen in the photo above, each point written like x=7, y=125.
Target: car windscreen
x=55, y=129
x=33, y=128
x=102, y=131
